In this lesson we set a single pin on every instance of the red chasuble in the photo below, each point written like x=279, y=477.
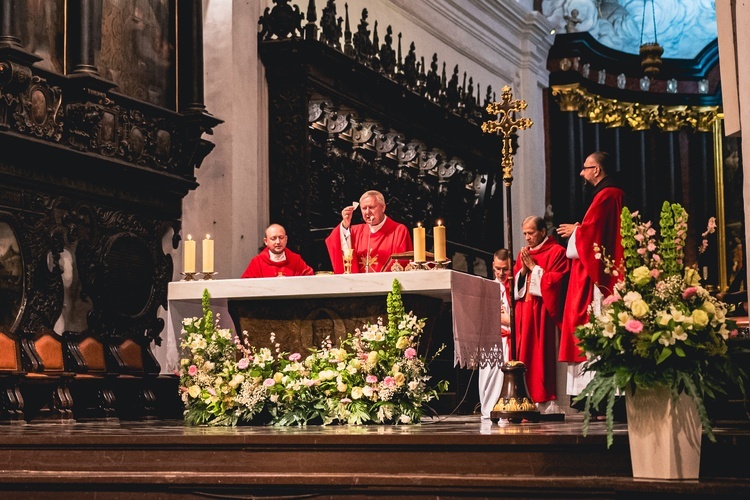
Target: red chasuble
x=261, y=266
x=600, y=225
x=537, y=320
x=392, y=238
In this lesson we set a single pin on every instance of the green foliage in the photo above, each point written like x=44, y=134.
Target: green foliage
x=375, y=376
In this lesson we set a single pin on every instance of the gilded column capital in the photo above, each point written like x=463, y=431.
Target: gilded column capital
x=569, y=97
x=672, y=118
x=641, y=116
x=701, y=118
x=616, y=114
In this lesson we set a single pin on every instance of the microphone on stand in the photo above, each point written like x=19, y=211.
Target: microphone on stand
x=369, y=233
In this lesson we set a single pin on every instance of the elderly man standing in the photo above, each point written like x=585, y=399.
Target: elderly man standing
x=541, y=273
x=276, y=259
x=372, y=242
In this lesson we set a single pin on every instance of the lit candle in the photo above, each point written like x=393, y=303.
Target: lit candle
x=188, y=256
x=438, y=234
x=419, y=244
x=208, y=254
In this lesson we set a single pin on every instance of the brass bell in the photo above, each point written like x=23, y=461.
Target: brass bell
x=515, y=403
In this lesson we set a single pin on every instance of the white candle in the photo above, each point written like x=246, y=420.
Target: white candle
x=419, y=244
x=188, y=255
x=438, y=234
x=208, y=254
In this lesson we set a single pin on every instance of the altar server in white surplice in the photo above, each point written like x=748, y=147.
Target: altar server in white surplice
x=490, y=372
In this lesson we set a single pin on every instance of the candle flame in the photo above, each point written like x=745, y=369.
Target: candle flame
x=439, y=222
x=208, y=236
x=419, y=224
x=190, y=236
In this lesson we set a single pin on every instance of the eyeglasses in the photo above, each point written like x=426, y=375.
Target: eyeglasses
x=586, y=168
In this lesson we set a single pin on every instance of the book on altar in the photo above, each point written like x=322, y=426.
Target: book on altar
x=399, y=261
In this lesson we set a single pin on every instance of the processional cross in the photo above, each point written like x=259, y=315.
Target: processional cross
x=506, y=125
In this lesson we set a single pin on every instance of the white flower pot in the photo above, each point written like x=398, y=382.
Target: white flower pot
x=665, y=437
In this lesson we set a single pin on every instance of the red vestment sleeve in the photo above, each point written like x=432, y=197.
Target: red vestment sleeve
x=554, y=285
x=254, y=269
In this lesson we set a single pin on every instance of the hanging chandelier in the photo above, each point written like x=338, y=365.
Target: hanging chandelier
x=650, y=52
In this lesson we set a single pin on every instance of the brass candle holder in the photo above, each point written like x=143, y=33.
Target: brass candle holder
x=188, y=276
x=441, y=264
x=209, y=276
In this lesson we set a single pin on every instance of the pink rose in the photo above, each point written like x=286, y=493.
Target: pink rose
x=610, y=300
x=269, y=382
x=641, y=251
x=193, y=370
x=389, y=381
x=734, y=333
x=689, y=292
x=243, y=363
x=410, y=353
x=639, y=238
x=295, y=357
x=656, y=258
x=371, y=379
x=634, y=326
x=654, y=273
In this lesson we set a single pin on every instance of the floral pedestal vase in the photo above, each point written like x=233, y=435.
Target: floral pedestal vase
x=665, y=436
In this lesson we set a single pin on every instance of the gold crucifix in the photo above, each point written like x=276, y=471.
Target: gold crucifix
x=506, y=124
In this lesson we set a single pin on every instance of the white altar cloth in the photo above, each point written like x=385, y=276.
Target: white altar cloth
x=475, y=301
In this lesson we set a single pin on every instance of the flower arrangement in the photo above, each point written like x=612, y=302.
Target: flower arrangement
x=375, y=376
x=221, y=380
x=659, y=327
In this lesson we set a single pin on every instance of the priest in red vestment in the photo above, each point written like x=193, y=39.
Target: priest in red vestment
x=372, y=242
x=541, y=272
x=276, y=259
x=588, y=280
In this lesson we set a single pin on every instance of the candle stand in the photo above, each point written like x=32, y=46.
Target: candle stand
x=188, y=276
x=441, y=264
x=209, y=276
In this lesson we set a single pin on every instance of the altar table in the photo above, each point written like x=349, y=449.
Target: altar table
x=313, y=305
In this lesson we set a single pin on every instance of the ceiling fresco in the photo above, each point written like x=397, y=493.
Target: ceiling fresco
x=683, y=27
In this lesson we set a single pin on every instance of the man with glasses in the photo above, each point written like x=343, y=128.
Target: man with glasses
x=276, y=259
x=588, y=280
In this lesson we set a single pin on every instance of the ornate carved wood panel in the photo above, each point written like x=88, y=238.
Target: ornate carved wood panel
x=345, y=120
